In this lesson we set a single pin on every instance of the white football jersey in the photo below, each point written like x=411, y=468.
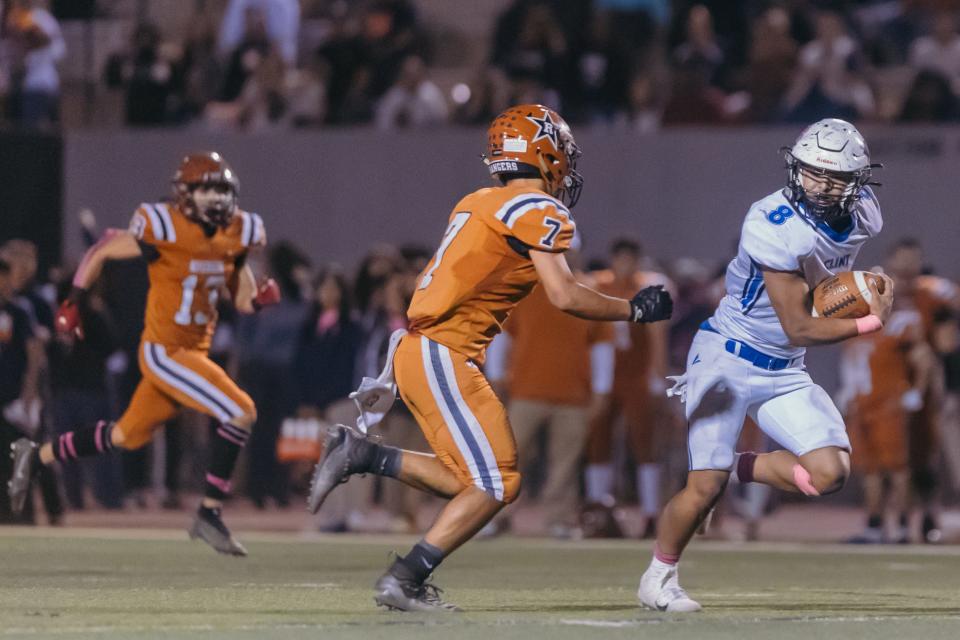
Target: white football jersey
x=776, y=236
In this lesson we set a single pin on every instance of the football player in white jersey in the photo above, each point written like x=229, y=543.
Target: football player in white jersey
x=748, y=358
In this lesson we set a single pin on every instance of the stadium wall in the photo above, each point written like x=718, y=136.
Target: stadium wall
x=682, y=192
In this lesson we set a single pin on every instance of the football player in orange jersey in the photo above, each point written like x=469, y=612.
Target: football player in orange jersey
x=499, y=243
x=195, y=247
x=638, y=396
x=929, y=295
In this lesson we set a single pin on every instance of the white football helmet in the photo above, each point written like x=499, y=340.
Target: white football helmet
x=834, y=154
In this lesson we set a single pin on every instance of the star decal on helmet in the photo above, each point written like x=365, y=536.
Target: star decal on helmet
x=546, y=128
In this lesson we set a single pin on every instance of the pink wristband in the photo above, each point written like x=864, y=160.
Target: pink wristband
x=868, y=324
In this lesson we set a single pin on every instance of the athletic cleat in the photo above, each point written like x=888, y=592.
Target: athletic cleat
x=23, y=454
x=341, y=448
x=209, y=527
x=660, y=590
x=397, y=594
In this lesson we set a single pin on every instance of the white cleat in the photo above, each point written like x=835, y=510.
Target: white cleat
x=660, y=590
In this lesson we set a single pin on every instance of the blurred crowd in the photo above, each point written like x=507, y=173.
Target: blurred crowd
x=594, y=428
x=639, y=64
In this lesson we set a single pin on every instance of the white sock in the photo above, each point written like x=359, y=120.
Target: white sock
x=648, y=488
x=599, y=482
x=659, y=565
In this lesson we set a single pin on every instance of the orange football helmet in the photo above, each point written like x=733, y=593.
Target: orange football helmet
x=533, y=141
x=207, y=169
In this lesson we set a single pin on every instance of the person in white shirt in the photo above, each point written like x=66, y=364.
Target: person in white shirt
x=939, y=51
x=38, y=45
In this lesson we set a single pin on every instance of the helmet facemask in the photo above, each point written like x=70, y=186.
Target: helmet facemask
x=572, y=183
x=213, y=203
x=837, y=194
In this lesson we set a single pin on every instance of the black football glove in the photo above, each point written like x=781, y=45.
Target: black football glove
x=651, y=305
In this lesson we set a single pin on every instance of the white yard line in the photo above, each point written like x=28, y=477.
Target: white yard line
x=641, y=547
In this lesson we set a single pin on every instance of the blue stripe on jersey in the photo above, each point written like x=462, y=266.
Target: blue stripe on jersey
x=462, y=425
x=755, y=299
x=833, y=234
x=506, y=216
x=752, y=287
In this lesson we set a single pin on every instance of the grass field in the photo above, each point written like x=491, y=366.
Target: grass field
x=155, y=584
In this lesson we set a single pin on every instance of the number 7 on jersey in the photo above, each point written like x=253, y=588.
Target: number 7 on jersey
x=458, y=222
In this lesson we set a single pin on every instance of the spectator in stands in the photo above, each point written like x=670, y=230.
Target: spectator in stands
x=701, y=47
x=36, y=46
x=78, y=381
x=280, y=21
x=198, y=73
x=636, y=23
x=245, y=57
x=532, y=49
x=330, y=341
x=21, y=355
x=486, y=97
x=263, y=101
x=307, y=103
x=693, y=100
x=930, y=99
x=365, y=64
x=644, y=111
x=414, y=101
x=602, y=68
x=940, y=51
x=267, y=348
x=829, y=80
x=22, y=257
x=145, y=75
x=772, y=58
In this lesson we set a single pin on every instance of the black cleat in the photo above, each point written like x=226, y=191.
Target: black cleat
x=208, y=526
x=398, y=594
x=23, y=452
x=343, y=453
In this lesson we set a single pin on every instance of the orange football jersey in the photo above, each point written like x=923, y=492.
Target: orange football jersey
x=482, y=268
x=187, y=270
x=878, y=362
x=637, y=351
x=933, y=293
x=550, y=358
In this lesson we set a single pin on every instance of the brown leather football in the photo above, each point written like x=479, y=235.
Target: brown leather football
x=845, y=295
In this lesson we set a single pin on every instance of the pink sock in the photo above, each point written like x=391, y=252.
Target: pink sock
x=801, y=478
x=665, y=558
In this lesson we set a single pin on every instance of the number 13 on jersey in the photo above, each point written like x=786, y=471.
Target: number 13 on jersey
x=211, y=284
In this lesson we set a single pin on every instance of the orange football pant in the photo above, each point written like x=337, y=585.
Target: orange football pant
x=174, y=377
x=458, y=412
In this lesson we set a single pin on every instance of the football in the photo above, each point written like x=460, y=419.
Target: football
x=845, y=295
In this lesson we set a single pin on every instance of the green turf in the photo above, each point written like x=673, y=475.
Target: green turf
x=68, y=586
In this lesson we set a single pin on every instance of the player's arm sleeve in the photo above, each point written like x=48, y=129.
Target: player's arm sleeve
x=542, y=224
x=150, y=225
x=253, y=233
x=767, y=245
